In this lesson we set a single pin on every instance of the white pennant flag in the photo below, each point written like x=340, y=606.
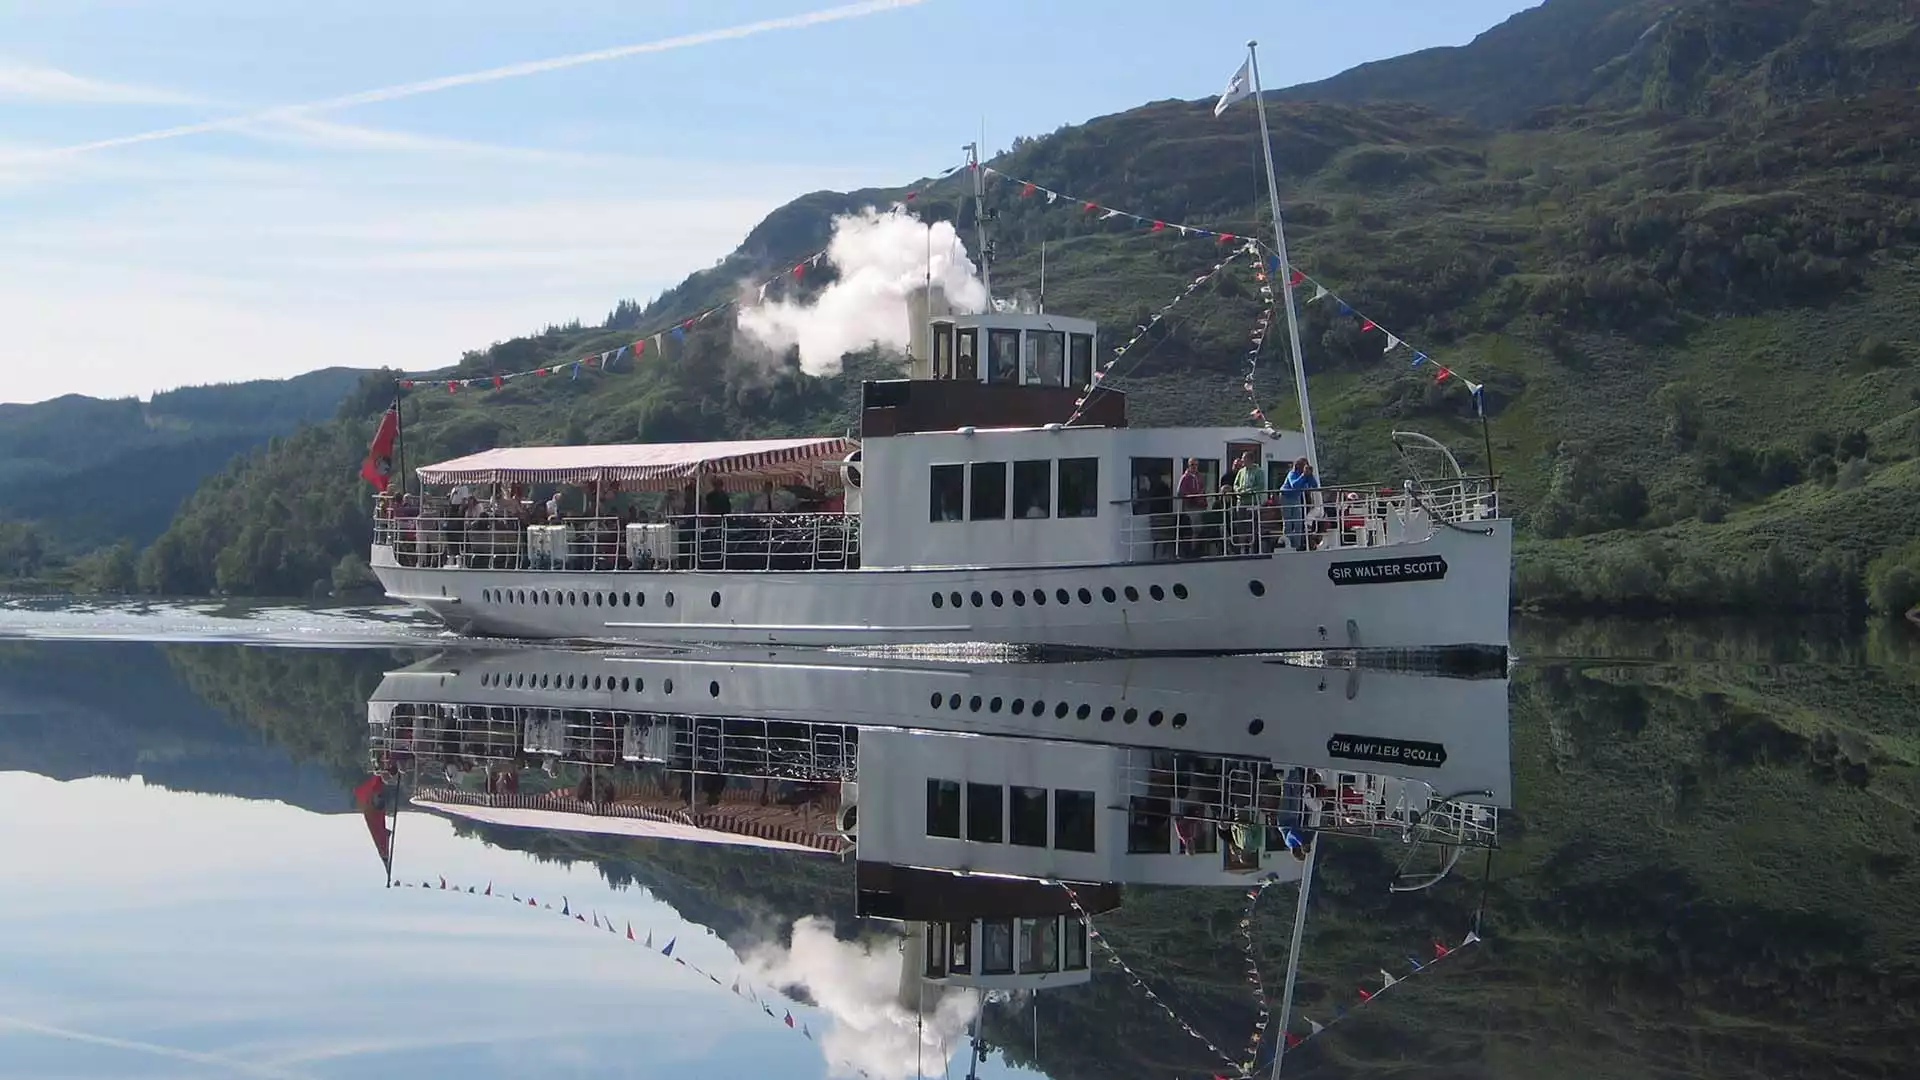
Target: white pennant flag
x=1319, y=292
x=763, y=292
x=1388, y=978
x=1238, y=88
x=1314, y=1027
x=1392, y=343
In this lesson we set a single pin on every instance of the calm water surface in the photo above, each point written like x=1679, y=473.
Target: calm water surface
x=1709, y=871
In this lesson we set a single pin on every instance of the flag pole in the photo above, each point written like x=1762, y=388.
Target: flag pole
x=1293, y=960
x=1286, y=273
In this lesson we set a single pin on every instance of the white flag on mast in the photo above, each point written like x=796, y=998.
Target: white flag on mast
x=1238, y=88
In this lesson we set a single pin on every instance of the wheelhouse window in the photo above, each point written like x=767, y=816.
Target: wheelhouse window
x=1073, y=820
x=947, y=493
x=1040, y=945
x=943, y=350
x=1003, y=353
x=1080, y=359
x=936, y=967
x=1046, y=357
x=986, y=813
x=943, y=808
x=1079, y=489
x=960, y=936
x=1029, y=817
x=1073, y=946
x=1152, y=485
x=989, y=491
x=966, y=353
x=996, y=947
x=1033, y=488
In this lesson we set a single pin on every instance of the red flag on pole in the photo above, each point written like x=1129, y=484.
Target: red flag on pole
x=368, y=798
x=378, y=468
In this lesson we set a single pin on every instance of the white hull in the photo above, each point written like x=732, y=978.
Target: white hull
x=1288, y=600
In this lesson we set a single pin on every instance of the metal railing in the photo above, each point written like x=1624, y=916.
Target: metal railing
x=1164, y=528
x=739, y=542
x=1169, y=792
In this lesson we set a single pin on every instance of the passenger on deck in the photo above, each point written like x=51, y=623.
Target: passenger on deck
x=1192, y=491
x=1293, y=501
x=689, y=500
x=716, y=503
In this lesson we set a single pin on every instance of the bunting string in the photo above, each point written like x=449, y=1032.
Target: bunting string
x=1365, y=996
x=606, y=359
x=740, y=987
x=1297, y=279
x=1140, y=332
x=1262, y=323
x=1140, y=984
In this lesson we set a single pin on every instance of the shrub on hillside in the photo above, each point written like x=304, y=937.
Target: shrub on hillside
x=1893, y=580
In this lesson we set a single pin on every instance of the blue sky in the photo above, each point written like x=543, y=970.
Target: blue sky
x=150, y=933
x=402, y=228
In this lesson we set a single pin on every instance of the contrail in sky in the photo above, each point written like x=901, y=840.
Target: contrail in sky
x=495, y=74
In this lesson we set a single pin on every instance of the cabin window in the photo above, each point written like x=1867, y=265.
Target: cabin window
x=1029, y=817
x=986, y=813
x=943, y=350
x=1003, y=356
x=1073, y=946
x=1073, y=820
x=943, y=808
x=936, y=967
x=1149, y=826
x=1039, y=945
x=996, y=946
x=1152, y=485
x=947, y=493
x=1033, y=488
x=989, y=491
x=966, y=350
x=1079, y=488
x=1046, y=357
x=960, y=947
x=1080, y=359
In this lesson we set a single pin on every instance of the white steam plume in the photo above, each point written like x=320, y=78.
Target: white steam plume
x=858, y=985
x=882, y=257
x=493, y=74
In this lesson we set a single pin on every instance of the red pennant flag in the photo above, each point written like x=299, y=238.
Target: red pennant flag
x=1292, y=1039
x=1365, y=994
x=688, y=325
x=406, y=384
x=539, y=371
x=1441, y=375
x=377, y=469
x=368, y=798
x=799, y=269
x=443, y=883
x=1226, y=238
x=910, y=196
x=629, y=931
x=789, y=1019
x=497, y=380
x=1296, y=278
x=531, y=902
x=1026, y=189
x=1440, y=950
x=1090, y=207
x=1158, y=226
x=452, y=385
x=1366, y=325
x=639, y=347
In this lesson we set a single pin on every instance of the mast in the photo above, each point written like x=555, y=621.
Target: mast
x=1286, y=293
x=980, y=219
x=1293, y=950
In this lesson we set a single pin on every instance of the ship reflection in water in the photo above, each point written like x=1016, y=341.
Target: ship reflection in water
x=987, y=815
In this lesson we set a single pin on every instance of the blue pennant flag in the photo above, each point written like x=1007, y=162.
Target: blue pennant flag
x=679, y=333
x=563, y=907
x=1418, y=359
x=1345, y=309
x=1417, y=966
x=576, y=369
x=668, y=951
x=1273, y=264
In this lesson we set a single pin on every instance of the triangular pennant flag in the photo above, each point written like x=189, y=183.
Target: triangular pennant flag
x=489, y=891
x=1052, y=197
x=1365, y=994
x=1089, y=207
x=1319, y=293
x=668, y=950
x=1469, y=939
x=1110, y=214
x=639, y=347
x=1345, y=309
x=469, y=890
x=443, y=883
x=1226, y=238
x=799, y=269
x=497, y=380
x=807, y=1033
x=736, y=986
x=1418, y=359
x=579, y=917
x=1313, y=1026
x=1293, y=1040
x=1442, y=374
x=531, y=902
x=1158, y=226
x=1295, y=278
x=679, y=333
x=656, y=342
x=610, y=928
x=1366, y=325
x=565, y=906
x=1392, y=343
x=452, y=386
x=1388, y=978
x=1440, y=951
x=762, y=297
x=789, y=1018
x=1027, y=189
x=649, y=941
x=1417, y=965
x=596, y=920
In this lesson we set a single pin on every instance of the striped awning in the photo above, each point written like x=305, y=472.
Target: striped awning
x=655, y=466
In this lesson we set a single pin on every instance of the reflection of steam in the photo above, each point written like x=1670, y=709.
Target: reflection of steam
x=881, y=259
x=858, y=984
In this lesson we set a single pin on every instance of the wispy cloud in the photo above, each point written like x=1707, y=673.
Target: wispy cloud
x=493, y=74
x=29, y=82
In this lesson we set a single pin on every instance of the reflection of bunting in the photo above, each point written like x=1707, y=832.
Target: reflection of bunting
x=1140, y=332
x=1365, y=995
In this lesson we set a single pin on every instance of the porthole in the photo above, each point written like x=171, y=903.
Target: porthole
x=939, y=601
x=599, y=599
x=639, y=685
x=1060, y=711
x=1156, y=718
x=543, y=681
x=954, y=599
x=1083, y=711
x=1107, y=594
x=572, y=599
x=669, y=598
x=1039, y=708
x=1019, y=598
x=626, y=599
x=714, y=600
x=1257, y=587
x=667, y=685
x=485, y=596
x=1130, y=716
x=1061, y=595
x=713, y=689
x=569, y=682
x=1179, y=720
x=953, y=702
x=1256, y=726
x=1040, y=597
x=625, y=684
x=596, y=682
x=998, y=600
x=1018, y=707
x=1106, y=715
x=993, y=706
x=978, y=600
x=1086, y=597
x=973, y=703
x=1179, y=591
x=1133, y=595
x=543, y=596
x=639, y=599
x=937, y=699
x=1156, y=592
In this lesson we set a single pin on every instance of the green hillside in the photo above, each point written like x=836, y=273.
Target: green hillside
x=1681, y=262
x=79, y=474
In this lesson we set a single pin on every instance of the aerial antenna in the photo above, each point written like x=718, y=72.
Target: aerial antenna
x=980, y=215
x=1043, y=277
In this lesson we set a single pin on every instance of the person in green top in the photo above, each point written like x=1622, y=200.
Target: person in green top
x=1250, y=482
